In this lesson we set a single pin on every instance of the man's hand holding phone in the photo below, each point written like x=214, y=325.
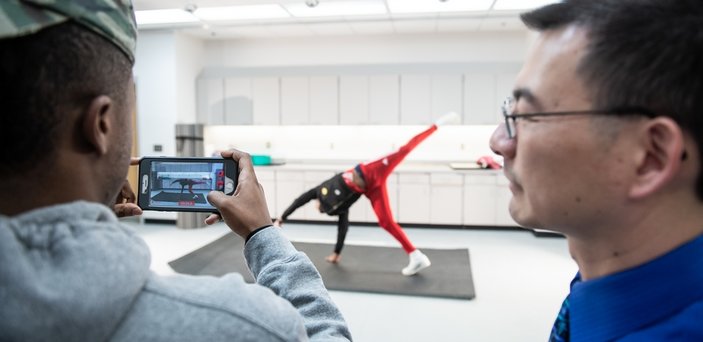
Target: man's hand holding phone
x=246, y=209
x=126, y=201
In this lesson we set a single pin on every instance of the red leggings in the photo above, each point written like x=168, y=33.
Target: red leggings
x=375, y=175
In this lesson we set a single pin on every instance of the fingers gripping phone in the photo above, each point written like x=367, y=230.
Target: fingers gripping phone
x=182, y=184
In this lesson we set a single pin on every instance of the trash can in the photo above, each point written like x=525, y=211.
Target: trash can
x=189, y=143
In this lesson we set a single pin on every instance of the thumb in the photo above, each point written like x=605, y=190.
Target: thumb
x=216, y=198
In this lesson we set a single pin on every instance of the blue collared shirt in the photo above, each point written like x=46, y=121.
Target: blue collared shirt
x=661, y=300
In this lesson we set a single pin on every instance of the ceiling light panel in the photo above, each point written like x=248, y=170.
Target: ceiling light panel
x=429, y=6
x=231, y=13
x=165, y=16
x=337, y=8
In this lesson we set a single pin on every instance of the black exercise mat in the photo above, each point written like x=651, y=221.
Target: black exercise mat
x=361, y=269
x=165, y=196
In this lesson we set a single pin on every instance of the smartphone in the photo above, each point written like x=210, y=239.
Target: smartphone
x=182, y=184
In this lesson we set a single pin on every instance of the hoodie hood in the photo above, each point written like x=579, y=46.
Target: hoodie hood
x=68, y=272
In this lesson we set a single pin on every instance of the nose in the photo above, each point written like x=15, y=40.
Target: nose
x=500, y=143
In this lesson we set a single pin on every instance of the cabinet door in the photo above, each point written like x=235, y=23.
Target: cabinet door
x=503, y=197
x=415, y=103
x=392, y=186
x=447, y=93
x=211, y=107
x=361, y=211
x=413, y=198
x=267, y=179
x=289, y=185
x=266, y=95
x=384, y=100
x=238, y=101
x=480, y=102
x=480, y=200
x=324, y=101
x=446, y=198
x=353, y=100
x=295, y=101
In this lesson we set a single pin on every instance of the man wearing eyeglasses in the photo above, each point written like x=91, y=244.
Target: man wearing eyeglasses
x=602, y=142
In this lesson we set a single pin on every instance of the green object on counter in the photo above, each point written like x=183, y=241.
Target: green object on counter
x=260, y=159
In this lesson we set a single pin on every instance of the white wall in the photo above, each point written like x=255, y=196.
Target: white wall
x=165, y=72
x=189, y=61
x=479, y=47
x=156, y=78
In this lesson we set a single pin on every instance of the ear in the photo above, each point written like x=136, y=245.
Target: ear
x=96, y=123
x=662, y=146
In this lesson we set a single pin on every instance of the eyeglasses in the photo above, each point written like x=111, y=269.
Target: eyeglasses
x=509, y=104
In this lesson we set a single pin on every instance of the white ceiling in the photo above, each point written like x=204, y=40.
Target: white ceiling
x=425, y=23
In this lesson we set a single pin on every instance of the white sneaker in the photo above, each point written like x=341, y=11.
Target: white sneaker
x=448, y=119
x=418, y=262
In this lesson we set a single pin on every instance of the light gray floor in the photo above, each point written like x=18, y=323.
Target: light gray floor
x=520, y=281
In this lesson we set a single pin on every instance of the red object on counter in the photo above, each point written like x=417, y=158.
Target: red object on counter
x=487, y=162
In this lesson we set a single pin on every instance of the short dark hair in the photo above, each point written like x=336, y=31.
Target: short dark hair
x=44, y=77
x=641, y=53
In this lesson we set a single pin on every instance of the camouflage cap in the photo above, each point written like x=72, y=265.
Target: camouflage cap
x=112, y=19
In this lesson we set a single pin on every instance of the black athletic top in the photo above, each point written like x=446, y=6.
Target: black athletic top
x=335, y=200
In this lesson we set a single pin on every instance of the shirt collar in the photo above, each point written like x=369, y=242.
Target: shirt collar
x=612, y=306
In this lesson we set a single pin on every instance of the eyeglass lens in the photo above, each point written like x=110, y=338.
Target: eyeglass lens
x=508, y=109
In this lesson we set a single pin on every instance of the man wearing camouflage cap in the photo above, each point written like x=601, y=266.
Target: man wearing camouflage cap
x=70, y=270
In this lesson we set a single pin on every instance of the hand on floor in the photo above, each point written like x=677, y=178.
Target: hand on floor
x=333, y=258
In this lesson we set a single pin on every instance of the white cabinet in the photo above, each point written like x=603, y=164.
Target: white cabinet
x=446, y=200
x=353, y=100
x=504, y=88
x=480, y=200
x=384, y=100
x=289, y=185
x=361, y=211
x=295, y=100
x=238, y=102
x=211, y=101
x=267, y=179
x=415, y=100
x=413, y=198
x=392, y=187
x=447, y=93
x=480, y=102
x=484, y=95
x=324, y=102
x=311, y=209
x=266, y=101
x=503, y=197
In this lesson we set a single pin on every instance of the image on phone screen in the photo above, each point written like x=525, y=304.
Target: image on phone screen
x=184, y=185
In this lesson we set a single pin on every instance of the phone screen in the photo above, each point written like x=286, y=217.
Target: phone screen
x=181, y=185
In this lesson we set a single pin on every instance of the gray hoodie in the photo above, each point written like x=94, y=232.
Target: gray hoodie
x=73, y=272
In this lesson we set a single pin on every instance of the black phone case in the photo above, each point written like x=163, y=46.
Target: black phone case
x=185, y=199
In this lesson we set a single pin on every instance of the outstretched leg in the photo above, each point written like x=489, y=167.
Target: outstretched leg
x=381, y=207
x=376, y=172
